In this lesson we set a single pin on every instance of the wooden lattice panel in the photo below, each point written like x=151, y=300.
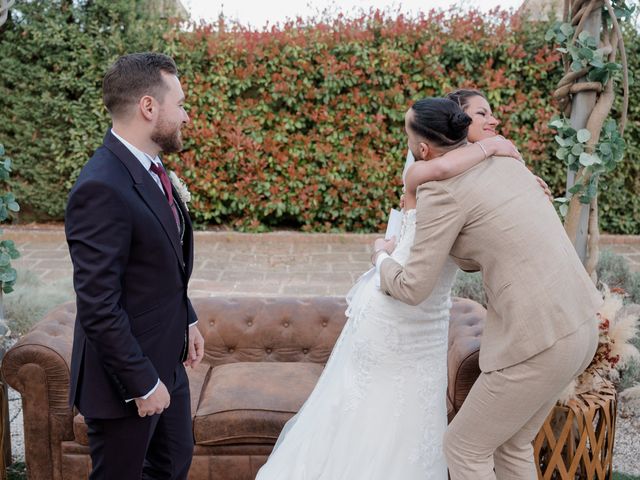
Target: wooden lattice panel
x=576, y=440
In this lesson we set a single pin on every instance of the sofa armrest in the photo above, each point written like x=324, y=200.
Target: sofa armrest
x=465, y=332
x=37, y=366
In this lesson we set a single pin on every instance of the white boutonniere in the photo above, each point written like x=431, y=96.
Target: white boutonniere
x=181, y=188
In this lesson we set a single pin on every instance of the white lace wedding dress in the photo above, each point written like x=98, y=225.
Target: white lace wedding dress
x=378, y=411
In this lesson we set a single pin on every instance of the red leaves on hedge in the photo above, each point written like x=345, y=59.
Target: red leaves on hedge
x=302, y=125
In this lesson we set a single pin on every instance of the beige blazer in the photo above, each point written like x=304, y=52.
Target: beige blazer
x=495, y=218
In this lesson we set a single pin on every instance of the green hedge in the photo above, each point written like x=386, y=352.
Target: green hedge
x=300, y=126
x=53, y=55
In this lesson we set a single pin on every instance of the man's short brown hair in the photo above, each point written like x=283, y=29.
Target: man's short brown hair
x=133, y=76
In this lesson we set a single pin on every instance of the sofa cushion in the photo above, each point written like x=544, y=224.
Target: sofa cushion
x=249, y=402
x=197, y=378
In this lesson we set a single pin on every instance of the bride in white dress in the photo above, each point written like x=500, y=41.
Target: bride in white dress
x=378, y=411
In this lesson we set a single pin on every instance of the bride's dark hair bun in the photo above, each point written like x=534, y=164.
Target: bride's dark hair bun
x=459, y=120
x=440, y=120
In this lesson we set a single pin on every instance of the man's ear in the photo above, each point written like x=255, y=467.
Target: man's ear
x=147, y=107
x=423, y=149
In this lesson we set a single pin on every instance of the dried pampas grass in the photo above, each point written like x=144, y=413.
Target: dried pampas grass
x=618, y=327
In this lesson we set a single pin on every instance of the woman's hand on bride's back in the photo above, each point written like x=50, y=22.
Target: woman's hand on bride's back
x=501, y=147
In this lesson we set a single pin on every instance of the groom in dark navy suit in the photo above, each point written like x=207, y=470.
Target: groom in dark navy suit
x=131, y=243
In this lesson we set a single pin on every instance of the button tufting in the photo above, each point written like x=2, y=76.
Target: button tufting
x=305, y=350
x=324, y=324
x=211, y=323
x=286, y=324
x=250, y=323
x=230, y=349
x=268, y=350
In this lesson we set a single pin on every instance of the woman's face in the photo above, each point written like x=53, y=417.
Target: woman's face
x=483, y=123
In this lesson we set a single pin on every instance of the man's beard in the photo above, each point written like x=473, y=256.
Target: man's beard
x=416, y=155
x=167, y=137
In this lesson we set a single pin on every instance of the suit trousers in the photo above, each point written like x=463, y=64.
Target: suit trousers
x=155, y=447
x=505, y=409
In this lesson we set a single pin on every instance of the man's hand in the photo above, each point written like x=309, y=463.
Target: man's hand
x=196, y=347
x=156, y=403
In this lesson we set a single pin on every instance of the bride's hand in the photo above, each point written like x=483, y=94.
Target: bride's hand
x=500, y=146
x=382, y=245
x=545, y=188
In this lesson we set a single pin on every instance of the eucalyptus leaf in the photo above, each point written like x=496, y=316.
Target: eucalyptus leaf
x=574, y=51
x=586, y=53
x=583, y=135
x=577, y=149
x=605, y=148
x=563, y=142
x=566, y=29
x=584, y=36
x=564, y=209
x=9, y=276
x=610, y=126
x=587, y=159
x=577, y=187
x=598, y=75
x=562, y=153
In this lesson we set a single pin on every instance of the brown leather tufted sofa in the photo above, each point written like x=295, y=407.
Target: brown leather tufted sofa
x=263, y=357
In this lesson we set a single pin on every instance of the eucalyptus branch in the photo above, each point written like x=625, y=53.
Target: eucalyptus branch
x=8, y=251
x=594, y=239
x=625, y=66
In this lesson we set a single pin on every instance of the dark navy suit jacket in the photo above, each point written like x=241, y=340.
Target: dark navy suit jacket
x=131, y=267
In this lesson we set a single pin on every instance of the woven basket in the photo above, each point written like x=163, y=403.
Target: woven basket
x=576, y=440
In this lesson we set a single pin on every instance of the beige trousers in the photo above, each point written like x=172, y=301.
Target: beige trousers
x=506, y=408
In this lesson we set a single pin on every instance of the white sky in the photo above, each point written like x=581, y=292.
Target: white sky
x=257, y=13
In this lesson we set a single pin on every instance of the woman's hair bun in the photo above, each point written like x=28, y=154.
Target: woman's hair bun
x=459, y=120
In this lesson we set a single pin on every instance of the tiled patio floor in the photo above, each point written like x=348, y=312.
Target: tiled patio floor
x=227, y=263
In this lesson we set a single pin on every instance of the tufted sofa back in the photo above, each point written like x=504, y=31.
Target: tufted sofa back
x=269, y=329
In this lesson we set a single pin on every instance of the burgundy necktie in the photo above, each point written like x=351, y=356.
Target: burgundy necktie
x=166, y=184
